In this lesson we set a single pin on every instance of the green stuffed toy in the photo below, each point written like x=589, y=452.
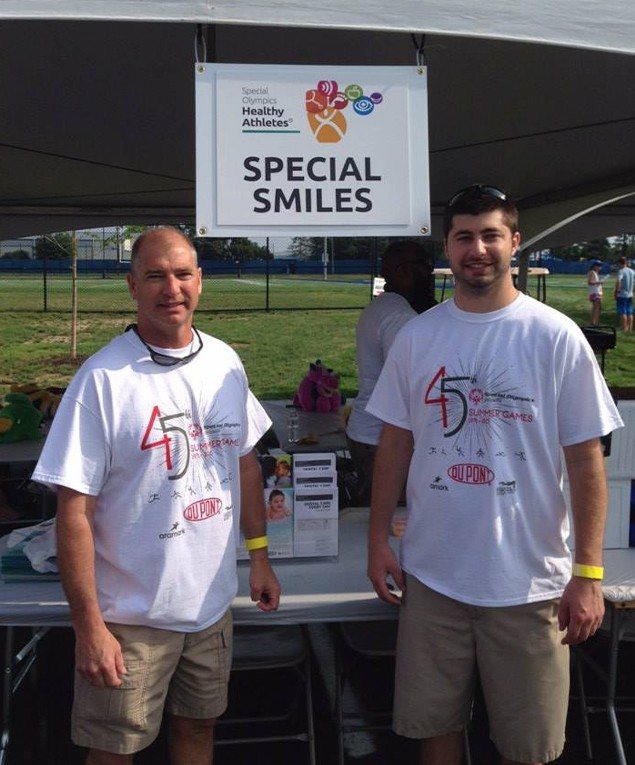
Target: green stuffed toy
x=19, y=419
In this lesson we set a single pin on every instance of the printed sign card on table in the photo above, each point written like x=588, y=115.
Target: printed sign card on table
x=315, y=524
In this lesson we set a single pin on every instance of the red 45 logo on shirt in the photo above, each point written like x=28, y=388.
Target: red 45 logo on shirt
x=452, y=400
x=174, y=439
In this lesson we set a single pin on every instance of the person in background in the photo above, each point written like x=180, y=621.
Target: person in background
x=409, y=290
x=596, y=291
x=151, y=455
x=482, y=397
x=624, y=295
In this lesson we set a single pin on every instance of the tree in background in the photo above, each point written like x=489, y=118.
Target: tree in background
x=627, y=246
x=54, y=246
x=352, y=248
x=16, y=255
x=303, y=248
x=595, y=249
x=236, y=248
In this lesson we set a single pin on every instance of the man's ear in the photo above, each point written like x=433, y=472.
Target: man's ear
x=131, y=285
x=516, y=241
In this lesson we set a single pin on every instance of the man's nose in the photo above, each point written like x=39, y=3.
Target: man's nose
x=171, y=285
x=479, y=246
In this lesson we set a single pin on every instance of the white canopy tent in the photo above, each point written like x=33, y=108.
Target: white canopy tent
x=537, y=97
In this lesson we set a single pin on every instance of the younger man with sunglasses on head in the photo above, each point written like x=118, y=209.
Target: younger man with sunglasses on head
x=151, y=454
x=482, y=396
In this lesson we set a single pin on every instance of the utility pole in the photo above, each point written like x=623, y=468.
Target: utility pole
x=73, y=295
x=325, y=259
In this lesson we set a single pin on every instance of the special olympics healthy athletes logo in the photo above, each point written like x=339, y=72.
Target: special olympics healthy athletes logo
x=325, y=104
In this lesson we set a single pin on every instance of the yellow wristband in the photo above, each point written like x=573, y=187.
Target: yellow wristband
x=588, y=572
x=255, y=543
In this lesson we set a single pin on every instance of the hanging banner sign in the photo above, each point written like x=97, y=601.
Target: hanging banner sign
x=311, y=150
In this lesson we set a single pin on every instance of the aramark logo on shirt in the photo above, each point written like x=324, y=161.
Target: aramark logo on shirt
x=175, y=531
x=437, y=483
x=506, y=487
x=203, y=509
x=469, y=472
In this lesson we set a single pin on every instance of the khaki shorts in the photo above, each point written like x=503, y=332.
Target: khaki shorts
x=523, y=669
x=189, y=669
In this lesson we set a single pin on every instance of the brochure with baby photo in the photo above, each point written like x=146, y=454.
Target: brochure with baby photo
x=279, y=509
x=279, y=516
x=277, y=470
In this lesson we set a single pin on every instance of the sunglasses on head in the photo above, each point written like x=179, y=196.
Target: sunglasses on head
x=477, y=191
x=162, y=359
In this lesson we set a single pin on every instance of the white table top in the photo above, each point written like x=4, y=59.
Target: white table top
x=21, y=451
x=314, y=590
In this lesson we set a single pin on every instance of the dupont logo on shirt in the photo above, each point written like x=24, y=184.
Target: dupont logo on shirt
x=203, y=509
x=469, y=472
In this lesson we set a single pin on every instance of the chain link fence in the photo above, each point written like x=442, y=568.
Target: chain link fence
x=267, y=285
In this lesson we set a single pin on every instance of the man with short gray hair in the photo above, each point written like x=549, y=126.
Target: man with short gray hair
x=151, y=455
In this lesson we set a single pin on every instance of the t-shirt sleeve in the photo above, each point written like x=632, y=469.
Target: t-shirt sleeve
x=257, y=423
x=390, y=400
x=390, y=327
x=76, y=453
x=585, y=406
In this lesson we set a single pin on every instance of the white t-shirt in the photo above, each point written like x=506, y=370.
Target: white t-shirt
x=625, y=278
x=490, y=399
x=159, y=447
x=595, y=284
x=376, y=329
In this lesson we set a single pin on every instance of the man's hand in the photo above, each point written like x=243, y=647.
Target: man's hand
x=381, y=564
x=98, y=657
x=263, y=583
x=581, y=610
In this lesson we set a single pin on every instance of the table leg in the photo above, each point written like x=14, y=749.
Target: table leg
x=12, y=678
x=611, y=685
x=6, y=694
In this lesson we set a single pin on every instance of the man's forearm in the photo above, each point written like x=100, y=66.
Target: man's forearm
x=76, y=557
x=98, y=656
x=252, y=504
x=392, y=461
x=263, y=584
x=587, y=482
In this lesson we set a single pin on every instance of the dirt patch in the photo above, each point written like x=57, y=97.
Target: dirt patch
x=67, y=360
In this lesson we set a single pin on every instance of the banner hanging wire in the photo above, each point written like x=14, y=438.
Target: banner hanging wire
x=200, y=44
x=419, y=47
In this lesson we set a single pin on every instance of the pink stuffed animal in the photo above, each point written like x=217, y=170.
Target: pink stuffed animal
x=328, y=396
x=318, y=390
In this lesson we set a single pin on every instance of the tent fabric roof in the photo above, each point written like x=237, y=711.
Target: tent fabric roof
x=98, y=123
x=577, y=23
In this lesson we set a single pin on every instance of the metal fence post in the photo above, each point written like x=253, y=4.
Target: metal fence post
x=267, y=277
x=45, y=282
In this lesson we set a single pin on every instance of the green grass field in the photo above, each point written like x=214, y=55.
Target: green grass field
x=275, y=346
